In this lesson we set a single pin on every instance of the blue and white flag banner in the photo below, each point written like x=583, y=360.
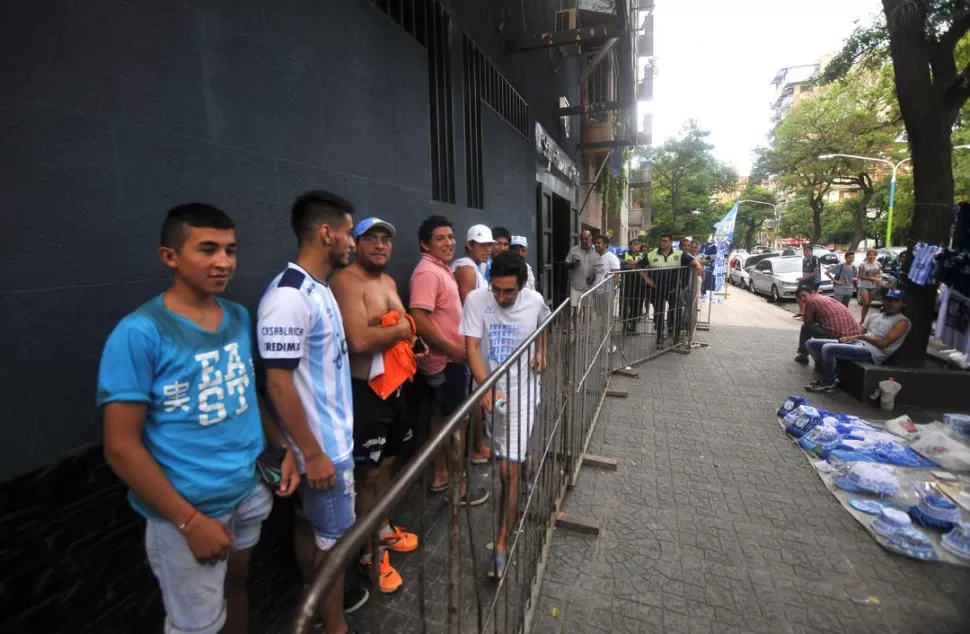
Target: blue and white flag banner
x=723, y=236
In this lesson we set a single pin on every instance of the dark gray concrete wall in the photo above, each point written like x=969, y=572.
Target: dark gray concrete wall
x=112, y=112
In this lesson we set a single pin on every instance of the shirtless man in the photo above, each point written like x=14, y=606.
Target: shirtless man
x=381, y=426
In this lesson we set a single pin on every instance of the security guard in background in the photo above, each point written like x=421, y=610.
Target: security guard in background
x=633, y=289
x=668, y=287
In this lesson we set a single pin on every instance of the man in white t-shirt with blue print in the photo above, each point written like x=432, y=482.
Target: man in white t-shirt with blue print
x=182, y=427
x=304, y=349
x=495, y=322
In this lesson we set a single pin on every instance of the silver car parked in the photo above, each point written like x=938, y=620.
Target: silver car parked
x=778, y=278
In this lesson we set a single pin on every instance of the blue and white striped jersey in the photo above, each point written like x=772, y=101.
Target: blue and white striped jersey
x=300, y=328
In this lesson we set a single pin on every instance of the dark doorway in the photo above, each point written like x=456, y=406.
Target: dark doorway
x=566, y=220
x=557, y=231
x=544, y=234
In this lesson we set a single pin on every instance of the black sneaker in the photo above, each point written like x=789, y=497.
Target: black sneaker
x=801, y=358
x=474, y=496
x=822, y=386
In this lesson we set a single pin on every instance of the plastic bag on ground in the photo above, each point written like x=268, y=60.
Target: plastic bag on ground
x=945, y=450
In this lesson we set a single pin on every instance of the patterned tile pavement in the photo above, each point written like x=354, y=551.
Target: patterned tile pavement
x=715, y=522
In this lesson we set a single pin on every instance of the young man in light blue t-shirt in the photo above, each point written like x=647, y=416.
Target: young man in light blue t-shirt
x=182, y=427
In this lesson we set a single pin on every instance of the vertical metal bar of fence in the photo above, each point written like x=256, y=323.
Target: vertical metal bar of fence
x=455, y=480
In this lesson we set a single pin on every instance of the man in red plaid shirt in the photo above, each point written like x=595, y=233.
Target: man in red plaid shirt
x=824, y=318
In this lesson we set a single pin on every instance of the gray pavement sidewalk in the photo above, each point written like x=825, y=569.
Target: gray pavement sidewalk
x=715, y=522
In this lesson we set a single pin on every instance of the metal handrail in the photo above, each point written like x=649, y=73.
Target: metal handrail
x=350, y=544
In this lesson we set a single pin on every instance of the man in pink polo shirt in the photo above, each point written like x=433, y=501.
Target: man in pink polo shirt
x=436, y=309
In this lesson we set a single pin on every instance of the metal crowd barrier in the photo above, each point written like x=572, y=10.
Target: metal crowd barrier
x=450, y=590
x=594, y=316
x=620, y=322
x=654, y=317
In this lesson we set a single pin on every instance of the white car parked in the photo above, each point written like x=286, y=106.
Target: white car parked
x=778, y=278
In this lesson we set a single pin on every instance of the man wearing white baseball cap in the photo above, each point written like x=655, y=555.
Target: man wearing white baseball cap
x=520, y=245
x=470, y=270
x=470, y=275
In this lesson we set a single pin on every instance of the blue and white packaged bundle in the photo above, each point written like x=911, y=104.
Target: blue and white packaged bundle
x=821, y=440
x=836, y=418
x=895, y=527
x=959, y=424
x=935, y=511
x=863, y=477
x=957, y=541
x=790, y=404
x=896, y=453
x=884, y=452
x=801, y=420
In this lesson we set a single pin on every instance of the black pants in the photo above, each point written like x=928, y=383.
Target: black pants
x=632, y=310
x=809, y=331
x=671, y=300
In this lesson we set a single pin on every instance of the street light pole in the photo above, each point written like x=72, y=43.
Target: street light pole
x=773, y=206
x=892, y=201
x=892, y=183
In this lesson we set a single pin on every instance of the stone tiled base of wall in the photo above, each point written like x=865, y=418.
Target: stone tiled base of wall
x=72, y=556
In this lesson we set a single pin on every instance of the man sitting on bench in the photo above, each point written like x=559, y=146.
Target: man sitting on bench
x=885, y=332
x=822, y=318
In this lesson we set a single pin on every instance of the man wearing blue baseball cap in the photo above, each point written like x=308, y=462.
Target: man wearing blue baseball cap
x=884, y=334
x=368, y=299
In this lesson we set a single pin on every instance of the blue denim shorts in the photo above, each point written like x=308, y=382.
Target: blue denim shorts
x=194, y=593
x=330, y=512
x=449, y=388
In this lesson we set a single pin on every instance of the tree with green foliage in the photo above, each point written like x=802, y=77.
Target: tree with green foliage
x=927, y=42
x=792, y=158
x=686, y=177
x=855, y=115
x=796, y=218
x=751, y=217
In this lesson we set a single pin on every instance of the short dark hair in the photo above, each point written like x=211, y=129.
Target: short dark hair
x=804, y=287
x=667, y=235
x=180, y=219
x=501, y=232
x=316, y=208
x=605, y=238
x=429, y=224
x=509, y=263
x=807, y=246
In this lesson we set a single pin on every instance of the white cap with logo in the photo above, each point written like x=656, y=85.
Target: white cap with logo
x=519, y=241
x=480, y=234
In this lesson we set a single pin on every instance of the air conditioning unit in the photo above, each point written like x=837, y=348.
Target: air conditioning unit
x=568, y=20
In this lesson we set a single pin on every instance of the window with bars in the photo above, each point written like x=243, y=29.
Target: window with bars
x=483, y=83
x=495, y=90
x=412, y=15
x=429, y=24
x=600, y=88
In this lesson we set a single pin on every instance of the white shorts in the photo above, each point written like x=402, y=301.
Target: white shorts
x=511, y=430
x=574, y=296
x=193, y=593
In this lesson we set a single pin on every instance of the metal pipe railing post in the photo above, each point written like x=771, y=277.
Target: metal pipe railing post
x=455, y=479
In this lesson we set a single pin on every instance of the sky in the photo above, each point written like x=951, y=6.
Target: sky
x=715, y=61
